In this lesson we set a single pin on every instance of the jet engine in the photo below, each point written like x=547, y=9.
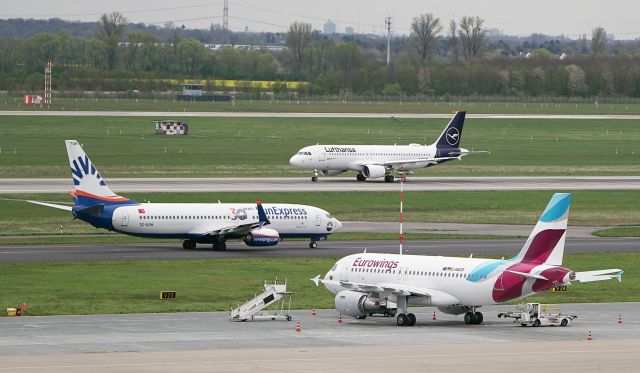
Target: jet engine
x=454, y=310
x=262, y=237
x=357, y=304
x=373, y=171
x=331, y=172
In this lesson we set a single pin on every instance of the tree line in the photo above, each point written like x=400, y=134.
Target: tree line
x=458, y=58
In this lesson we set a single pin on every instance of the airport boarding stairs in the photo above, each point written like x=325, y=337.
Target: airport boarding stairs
x=272, y=293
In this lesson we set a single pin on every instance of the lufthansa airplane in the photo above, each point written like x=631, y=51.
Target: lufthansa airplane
x=367, y=284
x=375, y=161
x=206, y=223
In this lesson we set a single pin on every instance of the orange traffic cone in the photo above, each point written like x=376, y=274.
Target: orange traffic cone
x=339, y=319
x=298, y=328
x=313, y=312
x=434, y=316
x=619, y=319
x=589, y=336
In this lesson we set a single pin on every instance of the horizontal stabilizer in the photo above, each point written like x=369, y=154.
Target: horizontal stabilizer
x=527, y=275
x=60, y=207
x=600, y=275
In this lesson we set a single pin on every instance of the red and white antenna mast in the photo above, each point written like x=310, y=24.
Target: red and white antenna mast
x=401, y=212
x=47, y=82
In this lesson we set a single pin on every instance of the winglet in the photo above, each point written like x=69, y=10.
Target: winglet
x=316, y=280
x=262, y=216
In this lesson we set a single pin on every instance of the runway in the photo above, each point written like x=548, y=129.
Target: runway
x=331, y=248
x=240, y=114
x=207, y=341
x=331, y=184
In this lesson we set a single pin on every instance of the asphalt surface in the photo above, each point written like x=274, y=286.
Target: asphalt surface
x=330, y=184
x=310, y=115
x=210, y=342
x=299, y=249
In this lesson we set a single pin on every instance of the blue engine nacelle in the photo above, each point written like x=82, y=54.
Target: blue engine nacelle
x=262, y=237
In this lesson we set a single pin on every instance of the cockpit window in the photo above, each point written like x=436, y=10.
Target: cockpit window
x=304, y=153
x=328, y=216
x=334, y=267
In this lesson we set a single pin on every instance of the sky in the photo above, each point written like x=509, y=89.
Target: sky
x=552, y=17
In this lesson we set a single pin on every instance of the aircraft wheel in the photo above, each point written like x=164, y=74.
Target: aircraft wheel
x=389, y=178
x=361, y=317
x=478, y=316
x=469, y=318
x=402, y=319
x=412, y=319
x=188, y=244
x=219, y=246
x=314, y=178
x=360, y=177
x=313, y=244
x=536, y=322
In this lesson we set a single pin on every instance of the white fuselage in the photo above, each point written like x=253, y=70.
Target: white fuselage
x=194, y=219
x=353, y=157
x=462, y=281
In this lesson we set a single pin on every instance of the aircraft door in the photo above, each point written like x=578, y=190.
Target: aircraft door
x=318, y=219
x=322, y=159
x=497, y=282
x=125, y=218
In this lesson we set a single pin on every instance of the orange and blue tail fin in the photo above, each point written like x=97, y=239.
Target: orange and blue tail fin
x=90, y=187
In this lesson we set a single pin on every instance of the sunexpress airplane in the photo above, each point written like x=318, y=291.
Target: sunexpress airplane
x=210, y=223
x=367, y=284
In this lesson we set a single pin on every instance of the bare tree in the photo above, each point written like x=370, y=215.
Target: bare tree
x=424, y=35
x=453, y=41
x=110, y=30
x=598, y=40
x=298, y=38
x=472, y=36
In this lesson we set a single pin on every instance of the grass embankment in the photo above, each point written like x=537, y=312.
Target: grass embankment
x=589, y=208
x=619, y=232
x=320, y=106
x=214, y=285
x=261, y=147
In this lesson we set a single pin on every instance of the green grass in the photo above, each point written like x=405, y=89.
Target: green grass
x=213, y=285
x=320, y=106
x=219, y=147
x=619, y=232
x=589, y=208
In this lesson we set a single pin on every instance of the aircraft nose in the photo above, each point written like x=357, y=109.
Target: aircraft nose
x=337, y=225
x=295, y=160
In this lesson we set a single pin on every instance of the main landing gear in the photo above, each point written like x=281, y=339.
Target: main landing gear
x=219, y=246
x=389, y=178
x=360, y=177
x=473, y=318
x=314, y=178
x=189, y=244
x=408, y=319
x=313, y=244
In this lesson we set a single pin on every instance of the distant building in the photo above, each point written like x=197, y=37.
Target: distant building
x=329, y=27
x=348, y=30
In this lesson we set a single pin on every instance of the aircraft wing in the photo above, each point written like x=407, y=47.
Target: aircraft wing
x=600, y=275
x=436, y=297
x=411, y=161
x=242, y=228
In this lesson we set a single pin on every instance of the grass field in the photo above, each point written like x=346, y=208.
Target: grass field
x=128, y=147
x=589, y=208
x=214, y=285
x=535, y=106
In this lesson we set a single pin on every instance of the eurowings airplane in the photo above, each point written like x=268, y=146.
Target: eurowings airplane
x=375, y=161
x=367, y=284
x=211, y=223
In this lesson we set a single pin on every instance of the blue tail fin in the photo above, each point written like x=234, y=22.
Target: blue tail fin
x=450, y=137
x=262, y=216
